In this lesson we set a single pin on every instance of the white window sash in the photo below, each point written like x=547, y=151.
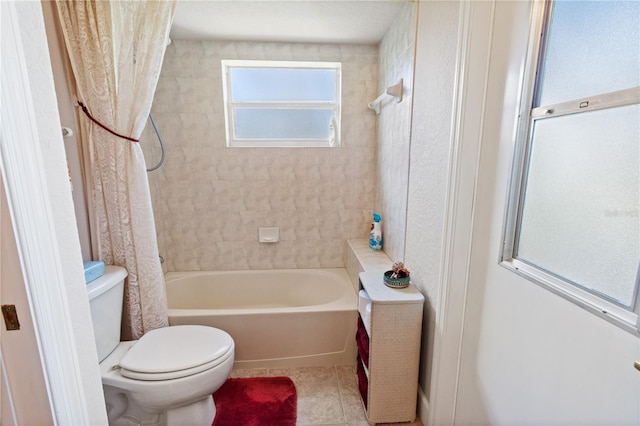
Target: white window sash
x=603, y=101
x=600, y=305
x=231, y=106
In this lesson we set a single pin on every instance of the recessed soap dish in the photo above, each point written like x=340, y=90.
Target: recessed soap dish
x=268, y=234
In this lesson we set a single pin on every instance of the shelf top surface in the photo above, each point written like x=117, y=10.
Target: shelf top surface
x=379, y=292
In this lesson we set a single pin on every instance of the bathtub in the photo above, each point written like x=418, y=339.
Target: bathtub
x=277, y=318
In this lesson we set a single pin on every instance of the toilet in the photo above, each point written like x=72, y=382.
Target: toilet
x=168, y=376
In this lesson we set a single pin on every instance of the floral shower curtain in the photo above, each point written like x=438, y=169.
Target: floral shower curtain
x=116, y=50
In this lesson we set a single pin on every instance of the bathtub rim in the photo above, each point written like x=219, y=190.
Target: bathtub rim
x=347, y=301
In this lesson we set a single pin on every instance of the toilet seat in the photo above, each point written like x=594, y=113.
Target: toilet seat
x=175, y=352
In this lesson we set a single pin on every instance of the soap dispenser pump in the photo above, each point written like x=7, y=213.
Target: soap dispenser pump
x=375, y=236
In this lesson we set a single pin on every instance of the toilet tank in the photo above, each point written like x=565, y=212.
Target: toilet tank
x=105, y=302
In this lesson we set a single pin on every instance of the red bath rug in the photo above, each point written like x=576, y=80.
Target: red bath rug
x=256, y=401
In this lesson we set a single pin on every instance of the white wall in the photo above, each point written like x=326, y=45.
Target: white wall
x=431, y=138
x=57, y=52
x=528, y=355
x=395, y=62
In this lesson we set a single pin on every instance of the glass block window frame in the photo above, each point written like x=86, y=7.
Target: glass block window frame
x=281, y=105
x=525, y=175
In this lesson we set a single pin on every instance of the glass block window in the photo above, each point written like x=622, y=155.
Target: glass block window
x=282, y=103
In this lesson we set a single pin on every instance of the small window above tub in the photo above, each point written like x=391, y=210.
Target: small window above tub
x=281, y=103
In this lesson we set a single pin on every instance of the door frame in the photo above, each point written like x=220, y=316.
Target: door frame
x=23, y=172
x=475, y=32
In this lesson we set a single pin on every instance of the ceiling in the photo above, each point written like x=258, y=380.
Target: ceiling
x=309, y=21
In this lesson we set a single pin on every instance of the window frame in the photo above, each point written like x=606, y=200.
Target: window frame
x=597, y=303
x=230, y=106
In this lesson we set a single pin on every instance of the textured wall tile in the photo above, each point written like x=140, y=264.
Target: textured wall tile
x=308, y=163
x=285, y=255
x=363, y=164
x=332, y=255
x=240, y=255
x=281, y=166
x=179, y=59
x=210, y=199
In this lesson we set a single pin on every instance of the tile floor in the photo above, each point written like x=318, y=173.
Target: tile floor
x=327, y=396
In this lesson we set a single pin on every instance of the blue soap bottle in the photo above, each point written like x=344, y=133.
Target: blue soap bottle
x=375, y=236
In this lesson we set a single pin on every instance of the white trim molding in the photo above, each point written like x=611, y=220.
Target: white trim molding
x=24, y=176
x=472, y=66
x=423, y=406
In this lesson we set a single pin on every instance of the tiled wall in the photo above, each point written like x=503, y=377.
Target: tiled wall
x=209, y=200
x=394, y=131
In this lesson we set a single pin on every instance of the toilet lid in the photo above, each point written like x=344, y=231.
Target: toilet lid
x=176, y=351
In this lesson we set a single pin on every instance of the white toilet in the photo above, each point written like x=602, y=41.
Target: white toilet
x=165, y=378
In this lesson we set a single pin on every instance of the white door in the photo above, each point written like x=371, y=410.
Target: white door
x=24, y=395
x=33, y=166
x=529, y=356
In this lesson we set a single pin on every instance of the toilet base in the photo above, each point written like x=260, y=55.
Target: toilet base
x=193, y=414
x=123, y=411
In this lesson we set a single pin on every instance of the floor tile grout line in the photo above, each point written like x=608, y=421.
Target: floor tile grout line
x=344, y=414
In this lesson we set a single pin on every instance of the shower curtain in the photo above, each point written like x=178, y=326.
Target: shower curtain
x=116, y=49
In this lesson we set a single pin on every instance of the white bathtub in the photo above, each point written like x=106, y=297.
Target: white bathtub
x=277, y=318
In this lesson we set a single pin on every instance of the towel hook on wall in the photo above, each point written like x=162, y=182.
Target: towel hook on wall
x=395, y=91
